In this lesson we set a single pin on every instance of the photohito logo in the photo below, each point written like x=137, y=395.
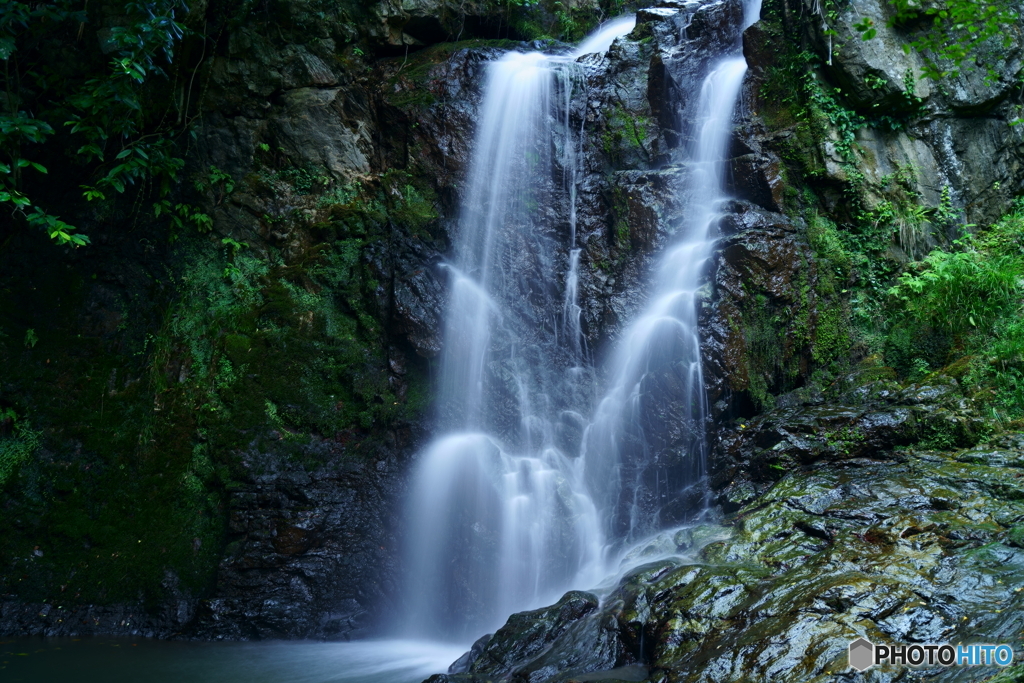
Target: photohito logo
x=864, y=654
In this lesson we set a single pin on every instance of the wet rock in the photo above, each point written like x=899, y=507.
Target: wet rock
x=463, y=663
x=865, y=417
x=889, y=551
x=310, y=552
x=760, y=321
x=756, y=179
x=53, y=619
x=564, y=642
x=312, y=131
x=527, y=634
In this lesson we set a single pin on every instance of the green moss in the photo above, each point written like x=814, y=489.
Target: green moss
x=845, y=439
x=642, y=32
x=824, y=238
x=622, y=234
x=16, y=447
x=139, y=425
x=620, y=217
x=1013, y=674
x=365, y=208
x=103, y=496
x=764, y=350
x=625, y=132
x=305, y=180
x=831, y=336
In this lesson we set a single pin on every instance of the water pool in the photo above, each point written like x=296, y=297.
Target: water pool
x=138, y=660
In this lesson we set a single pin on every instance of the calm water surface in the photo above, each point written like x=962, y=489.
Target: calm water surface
x=123, y=660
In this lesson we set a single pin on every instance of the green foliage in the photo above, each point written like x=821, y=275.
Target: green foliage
x=364, y=207
x=575, y=20
x=825, y=240
x=959, y=292
x=952, y=31
x=824, y=109
x=218, y=181
x=967, y=306
x=306, y=180
x=233, y=245
x=182, y=215
x=18, y=446
x=51, y=86
x=341, y=195
x=899, y=212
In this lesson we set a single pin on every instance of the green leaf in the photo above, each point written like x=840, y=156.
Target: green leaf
x=90, y=193
x=7, y=48
x=39, y=167
x=123, y=153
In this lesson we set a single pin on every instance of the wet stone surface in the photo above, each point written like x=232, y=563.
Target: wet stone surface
x=923, y=547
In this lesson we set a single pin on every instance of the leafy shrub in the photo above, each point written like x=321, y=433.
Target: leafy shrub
x=101, y=102
x=960, y=292
x=967, y=306
x=16, y=448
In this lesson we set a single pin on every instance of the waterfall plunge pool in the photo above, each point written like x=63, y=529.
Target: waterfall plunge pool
x=140, y=660
x=106, y=659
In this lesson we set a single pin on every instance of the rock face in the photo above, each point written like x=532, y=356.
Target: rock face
x=860, y=415
x=45, y=619
x=840, y=528
x=295, y=325
x=310, y=553
x=958, y=141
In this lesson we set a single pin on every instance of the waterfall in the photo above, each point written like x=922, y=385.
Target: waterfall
x=658, y=359
x=662, y=348
x=499, y=515
x=602, y=39
x=520, y=497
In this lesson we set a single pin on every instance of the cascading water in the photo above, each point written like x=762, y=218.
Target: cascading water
x=505, y=513
x=662, y=348
x=599, y=41
x=659, y=360
x=499, y=516
x=602, y=39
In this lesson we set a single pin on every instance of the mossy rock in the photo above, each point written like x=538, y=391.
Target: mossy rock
x=907, y=551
